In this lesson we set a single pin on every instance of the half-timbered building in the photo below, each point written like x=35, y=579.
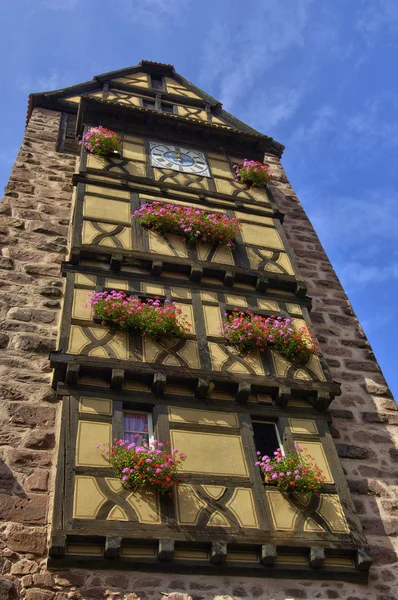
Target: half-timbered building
x=219, y=407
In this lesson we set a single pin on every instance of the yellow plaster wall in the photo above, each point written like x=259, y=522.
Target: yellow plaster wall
x=257, y=235
x=89, y=434
x=80, y=310
x=173, y=87
x=105, y=209
x=136, y=79
x=214, y=454
x=96, y=406
x=202, y=417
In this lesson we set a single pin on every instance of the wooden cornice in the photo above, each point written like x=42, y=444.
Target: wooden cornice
x=95, y=110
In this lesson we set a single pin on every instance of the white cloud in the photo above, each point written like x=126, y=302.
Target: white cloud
x=324, y=120
x=9, y=157
x=376, y=19
x=353, y=221
x=151, y=12
x=235, y=58
x=60, y=4
x=273, y=107
x=355, y=275
x=360, y=234
x=42, y=83
x=348, y=136
x=376, y=120
x=378, y=320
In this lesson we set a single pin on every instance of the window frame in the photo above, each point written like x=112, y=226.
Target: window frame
x=267, y=538
x=277, y=432
x=157, y=105
x=151, y=435
x=157, y=78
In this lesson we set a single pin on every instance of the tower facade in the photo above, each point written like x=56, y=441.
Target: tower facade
x=73, y=383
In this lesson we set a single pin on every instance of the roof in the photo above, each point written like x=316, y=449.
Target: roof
x=57, y=99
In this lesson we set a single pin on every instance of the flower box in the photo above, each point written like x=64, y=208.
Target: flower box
x=102, y=142
x=252, y=173
x=193, y=224
x=248, y=332
x=293, y=472
x=151, y=316
x=145, y=465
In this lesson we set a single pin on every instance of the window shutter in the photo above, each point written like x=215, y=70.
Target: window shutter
x=67, y=141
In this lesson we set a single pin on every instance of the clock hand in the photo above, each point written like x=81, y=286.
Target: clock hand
x=179, y=156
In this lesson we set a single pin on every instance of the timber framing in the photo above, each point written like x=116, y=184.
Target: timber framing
x=255, y=552
x=57, y=100
x=61, y=558
x=93, y=110
x=221, y=519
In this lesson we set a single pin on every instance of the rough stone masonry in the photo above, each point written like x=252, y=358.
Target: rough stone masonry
x=34, y=220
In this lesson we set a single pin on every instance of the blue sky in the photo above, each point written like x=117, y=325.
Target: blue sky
x=318, y=76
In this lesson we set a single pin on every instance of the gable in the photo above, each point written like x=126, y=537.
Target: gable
x=135, y=80
x=176, y=88
x=76, y=97
x=148, y=86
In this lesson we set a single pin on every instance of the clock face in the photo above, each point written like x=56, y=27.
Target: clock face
x=166, y=156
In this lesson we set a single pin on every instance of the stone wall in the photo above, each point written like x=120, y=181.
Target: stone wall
x=33, y=229
x=35, y=214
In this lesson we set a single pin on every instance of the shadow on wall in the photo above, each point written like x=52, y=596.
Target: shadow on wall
x=8, y=483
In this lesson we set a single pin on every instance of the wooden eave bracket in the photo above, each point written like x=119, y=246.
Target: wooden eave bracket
x=166, y=550
x=202, y=388
x=267, y=566
x=363, y=560
x=227, y=277
x=283, y=396
x=243, y=392
x=218, y=553
x=317, y=557
x=112, y=546
x=116, y=370
x=322, y=400
x=117, y=380
x=268, y=555
x=159, y=383
x=57, y=547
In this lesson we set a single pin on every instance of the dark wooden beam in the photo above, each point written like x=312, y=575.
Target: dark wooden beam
x=268, y=554
x=112, y=546
x=316, y=557
x=218, y=553
x=166, y=550
x=159, y=383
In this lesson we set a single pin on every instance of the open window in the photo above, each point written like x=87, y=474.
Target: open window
x=266, y=437
x=67, y=141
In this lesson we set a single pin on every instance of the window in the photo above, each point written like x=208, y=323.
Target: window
x=164, y=107
x=157, y=82
x=67, y=141
x=149, y=104
x=266, y=438
x=137, y=427
x=167, y=108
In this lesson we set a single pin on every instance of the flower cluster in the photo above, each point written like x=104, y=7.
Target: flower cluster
x=293, y=471
x=102, y=141
x=248, y=332
x=195, y=225
x=146, y=464
x=149, y=316
x=253, y=173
